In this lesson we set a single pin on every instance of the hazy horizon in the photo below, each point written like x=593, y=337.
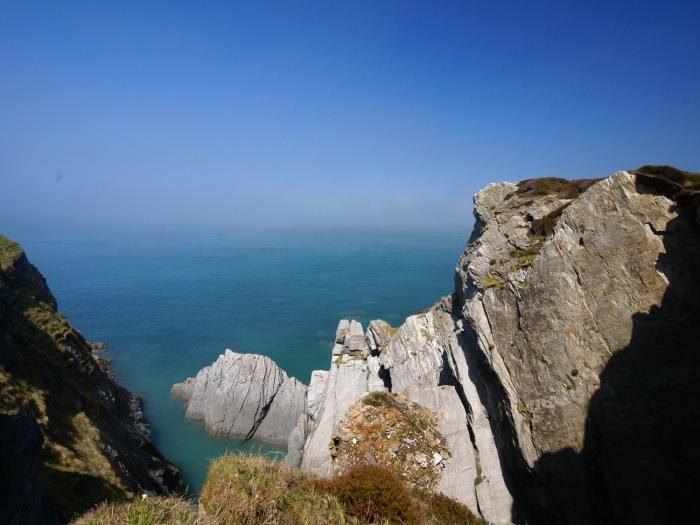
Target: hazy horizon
x=306, y=115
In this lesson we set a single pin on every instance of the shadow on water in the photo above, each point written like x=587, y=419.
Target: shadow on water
x=640, y=462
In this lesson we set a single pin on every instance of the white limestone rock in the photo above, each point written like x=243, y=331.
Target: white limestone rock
x=244, y=395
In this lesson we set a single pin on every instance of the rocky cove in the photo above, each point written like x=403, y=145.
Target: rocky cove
x=557, y=383
x=562, y=372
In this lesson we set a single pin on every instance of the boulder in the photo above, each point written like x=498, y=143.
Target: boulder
x=244, y=395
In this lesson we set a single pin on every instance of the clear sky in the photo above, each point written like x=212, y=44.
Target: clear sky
x=330, y=113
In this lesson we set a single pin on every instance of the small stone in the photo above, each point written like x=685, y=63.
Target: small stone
x=354, y=441
x=437, y=458
x=422, y=460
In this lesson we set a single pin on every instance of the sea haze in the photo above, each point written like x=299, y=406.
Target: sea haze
x=167, y=304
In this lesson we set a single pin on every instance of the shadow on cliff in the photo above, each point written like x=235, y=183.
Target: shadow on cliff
x=640, y=462
x=35, y=364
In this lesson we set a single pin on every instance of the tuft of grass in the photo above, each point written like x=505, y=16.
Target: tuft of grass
x=493, y=281
x=478, y=480
x=524, y=258
x=145, y=511
x=250, y=490
x=574, y=372
x=522, y=408
x=380, y=399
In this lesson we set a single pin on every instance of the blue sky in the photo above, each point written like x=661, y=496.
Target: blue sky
x=329, y=113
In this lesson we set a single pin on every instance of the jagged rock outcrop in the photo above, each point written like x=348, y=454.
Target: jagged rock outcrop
x=96, y=442
x=564, y=369
x=583, y=311
x=424, y=360
x=244, y=395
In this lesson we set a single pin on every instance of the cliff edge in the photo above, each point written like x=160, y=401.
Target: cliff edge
x=564, y=369
x=92, y=442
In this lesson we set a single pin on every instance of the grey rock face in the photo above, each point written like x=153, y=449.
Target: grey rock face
x=427, y=361
x=586, y=339
x=563, y=370
x=244, y=395
x=420, y=359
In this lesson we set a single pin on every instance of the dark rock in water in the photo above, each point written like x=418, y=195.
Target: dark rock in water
x=98, y=346
x=22, y=497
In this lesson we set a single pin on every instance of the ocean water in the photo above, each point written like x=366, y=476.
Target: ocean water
x=167, y=304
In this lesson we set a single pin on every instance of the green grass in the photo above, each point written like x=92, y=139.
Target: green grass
x=524, y=258
x=145, y=511
x=493, y=281
x=10, y=251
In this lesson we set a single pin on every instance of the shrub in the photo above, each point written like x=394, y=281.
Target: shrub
x=669, y=181
x=544, y=226
x=562, y=188
x=379, y=399
x=439, y=509
x=371, y=493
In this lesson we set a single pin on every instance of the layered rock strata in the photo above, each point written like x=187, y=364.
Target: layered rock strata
x=244, y=395
x=424, y=361
x=564, y=368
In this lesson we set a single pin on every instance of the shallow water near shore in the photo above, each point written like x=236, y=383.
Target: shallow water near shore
x=167, y=304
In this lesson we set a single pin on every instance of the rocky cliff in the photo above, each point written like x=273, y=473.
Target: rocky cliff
x=91, y=442
x=564, y=369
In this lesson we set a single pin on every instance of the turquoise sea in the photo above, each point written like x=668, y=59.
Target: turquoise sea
x=168, y=303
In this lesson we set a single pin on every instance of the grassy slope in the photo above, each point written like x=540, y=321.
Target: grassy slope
x=45, y=371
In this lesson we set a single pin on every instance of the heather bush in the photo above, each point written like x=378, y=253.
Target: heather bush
x=372, y=494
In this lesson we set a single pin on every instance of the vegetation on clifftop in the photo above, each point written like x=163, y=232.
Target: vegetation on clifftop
x=9, y=252
x=250, y=490
x=672, y=182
